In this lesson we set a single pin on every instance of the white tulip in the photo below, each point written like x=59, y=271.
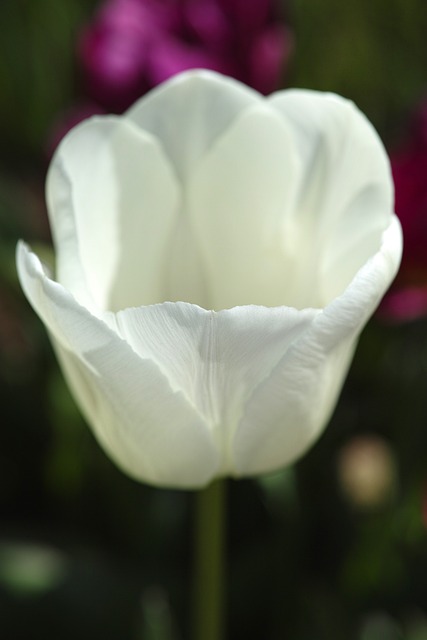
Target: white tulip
x=218, y=254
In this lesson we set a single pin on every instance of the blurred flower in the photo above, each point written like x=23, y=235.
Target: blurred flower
x=407, y=299
x=380, y=625
x=30, y=568
x=133, y=45
x=213, y=208
x=367, y=471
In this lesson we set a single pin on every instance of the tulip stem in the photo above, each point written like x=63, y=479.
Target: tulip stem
x=209, y=563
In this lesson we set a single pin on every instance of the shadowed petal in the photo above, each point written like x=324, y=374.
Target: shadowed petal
x=240, y=199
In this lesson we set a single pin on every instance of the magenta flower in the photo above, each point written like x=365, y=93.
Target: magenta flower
x=407, y=299
x=133, y=45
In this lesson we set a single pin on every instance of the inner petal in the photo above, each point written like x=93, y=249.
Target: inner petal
x=189, y=112
x=124, y=204
x=184, y=277
x=345, y=197
x=240, y=199
x=147, y=208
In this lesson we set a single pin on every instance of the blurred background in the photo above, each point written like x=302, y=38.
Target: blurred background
x=333, y=548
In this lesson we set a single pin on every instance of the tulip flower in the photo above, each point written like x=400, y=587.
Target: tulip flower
x=217, y=256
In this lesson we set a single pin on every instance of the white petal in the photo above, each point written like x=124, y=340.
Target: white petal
x=289, y=409
x=189, y=112
x=239, y=199
x=346, y=192
x=215, y=359
x=150, y=430
x=112, y=201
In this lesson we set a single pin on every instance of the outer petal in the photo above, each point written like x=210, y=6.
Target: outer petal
x=112, y=200
x=149, y=429
x=240, y=199
x=215, y=359
x=346, y=192
x=189, y=112
x=291, y=406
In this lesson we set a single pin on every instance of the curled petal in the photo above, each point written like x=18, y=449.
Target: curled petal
x=150, y=430
x=290, y=408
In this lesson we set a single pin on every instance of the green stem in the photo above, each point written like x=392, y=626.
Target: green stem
x=209, y=563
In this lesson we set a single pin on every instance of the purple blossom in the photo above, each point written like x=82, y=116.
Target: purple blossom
x=133, y=45
x=407, y=299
